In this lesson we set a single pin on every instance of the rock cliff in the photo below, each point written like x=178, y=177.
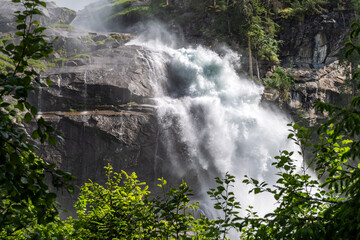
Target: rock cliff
x=311, y=51
x=99, y=103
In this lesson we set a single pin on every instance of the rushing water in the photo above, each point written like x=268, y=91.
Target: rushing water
x=212, y=121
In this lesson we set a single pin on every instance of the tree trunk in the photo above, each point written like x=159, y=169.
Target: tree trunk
x=228, y=16
x=257, y=69
x=342, y=14
x=167, y=2
x=250, y=59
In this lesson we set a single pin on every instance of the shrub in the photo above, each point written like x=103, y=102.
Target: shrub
x=281, y=81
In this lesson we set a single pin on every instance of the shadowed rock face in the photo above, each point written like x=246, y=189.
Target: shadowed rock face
x=310, y=51
x=99, y=102
x=101, y=106
x=315, y=41
x=125, y=139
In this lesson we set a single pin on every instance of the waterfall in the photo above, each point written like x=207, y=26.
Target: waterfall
x=210, y=119
x=211, y=122
x=85, y=93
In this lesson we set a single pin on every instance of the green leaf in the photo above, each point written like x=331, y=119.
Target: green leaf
x=70, y=189
x=52, y=140
x=4, y=104
x=35, y=134
x=33, y=110
x=356, y=75
x=24, y=180
x=27, y=117
x=48, y=82
x=4, y=135
x=10, y=47
x=21, y=26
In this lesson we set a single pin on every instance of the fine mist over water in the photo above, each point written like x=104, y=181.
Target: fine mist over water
x=74, y=4
x=211, y=120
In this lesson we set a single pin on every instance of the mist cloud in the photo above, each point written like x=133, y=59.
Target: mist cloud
x=73, y=4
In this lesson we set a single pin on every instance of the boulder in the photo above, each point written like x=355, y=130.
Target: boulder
x=52, y=14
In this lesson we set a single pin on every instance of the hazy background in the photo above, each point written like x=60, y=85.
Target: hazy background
x=73, y=4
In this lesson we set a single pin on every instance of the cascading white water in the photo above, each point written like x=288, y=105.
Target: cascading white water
x=212, y=122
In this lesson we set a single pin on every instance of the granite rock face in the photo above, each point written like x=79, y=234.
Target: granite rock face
x=315, y=41
x=103, y=79
x=100, y=102
x=311, y=51
x=326, y=84
x=52, y=14
x=125, y=139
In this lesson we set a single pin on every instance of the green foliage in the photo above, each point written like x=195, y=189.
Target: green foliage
x=280, y=80
x=321, y=207
x=63, y=26
x=307, y=207
x=261, y=29
x=24, y=197
x=123, y=8
x=307, y=7
x=122, y=209
x=115, y=211
x=6, y=64
x=140, y=10
x=224, y=201
x=56, y=229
